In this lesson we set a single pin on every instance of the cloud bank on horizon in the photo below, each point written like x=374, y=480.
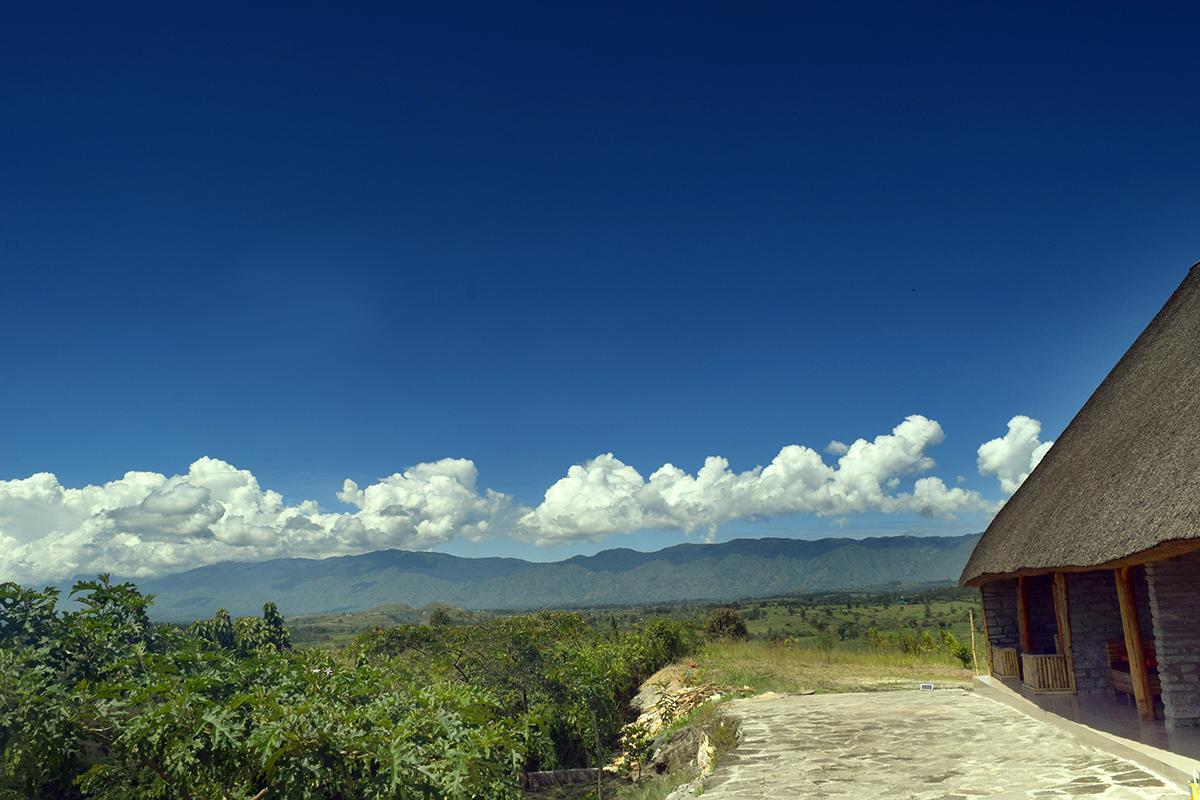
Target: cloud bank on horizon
x=146, y=523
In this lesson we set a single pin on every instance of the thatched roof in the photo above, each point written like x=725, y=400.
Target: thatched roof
x=1124, y=477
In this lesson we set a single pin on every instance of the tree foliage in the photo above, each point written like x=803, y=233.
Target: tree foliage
x=98, y=702
x=726, y=623
x=565, y=680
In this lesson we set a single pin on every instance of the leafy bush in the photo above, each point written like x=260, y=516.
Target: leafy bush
x=725, y=623
x=245, y=635
x=568, y=683
x=959, y=650
x=101, y=703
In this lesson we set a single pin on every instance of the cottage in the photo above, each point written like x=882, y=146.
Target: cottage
x=1090, y=574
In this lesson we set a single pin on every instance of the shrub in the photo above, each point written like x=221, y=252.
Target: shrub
x=725, y=623
x=958, y=649
x=99, y=703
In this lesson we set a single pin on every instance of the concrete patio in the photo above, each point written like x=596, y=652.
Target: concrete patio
x=946, y=744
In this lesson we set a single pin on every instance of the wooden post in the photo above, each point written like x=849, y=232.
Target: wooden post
x=1133, y=644
x=1062, y=616
x=987, y=633
x=1023, y=629
x=971, y=622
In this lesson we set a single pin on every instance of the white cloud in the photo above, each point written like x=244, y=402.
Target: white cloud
x=1013, y=456
x=605, y=495
x=147, y=523
x=432, y=503
x=836, y=448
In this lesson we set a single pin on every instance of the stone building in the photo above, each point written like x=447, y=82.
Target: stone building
x=1090, y=574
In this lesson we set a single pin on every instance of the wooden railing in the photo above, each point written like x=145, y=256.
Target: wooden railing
x=1046, y=673
x=1004, y=662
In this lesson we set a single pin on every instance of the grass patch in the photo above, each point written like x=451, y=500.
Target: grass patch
x=655, y=788
x=765, y=666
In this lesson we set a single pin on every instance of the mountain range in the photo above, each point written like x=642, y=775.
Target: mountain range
x=740, y=568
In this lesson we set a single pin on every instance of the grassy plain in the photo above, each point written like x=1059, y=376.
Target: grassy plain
x=848, y=617
x=842, y=620
x=338, y=629
x=766, y=666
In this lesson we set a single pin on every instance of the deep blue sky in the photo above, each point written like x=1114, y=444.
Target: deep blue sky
x=323, y=242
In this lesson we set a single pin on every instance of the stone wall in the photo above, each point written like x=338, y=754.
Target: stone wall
x=1000, y=609
x=1174, y=591
x=1095, y=620
x=1141, y=597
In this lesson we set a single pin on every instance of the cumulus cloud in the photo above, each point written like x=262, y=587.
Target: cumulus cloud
x=605, y=495
x=147, y=523
x=431, y=503
x=836, y=448
x=1013, y=456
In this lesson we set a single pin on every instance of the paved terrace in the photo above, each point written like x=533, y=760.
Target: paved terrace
x=942, y=745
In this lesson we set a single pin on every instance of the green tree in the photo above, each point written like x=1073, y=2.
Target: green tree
x=724, y=622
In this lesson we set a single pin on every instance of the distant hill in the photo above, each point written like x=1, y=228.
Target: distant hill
x=736, y=569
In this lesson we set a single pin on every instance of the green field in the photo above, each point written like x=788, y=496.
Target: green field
x=906, y=622
x=759, y=666
x=338, y=629
x=848, y=618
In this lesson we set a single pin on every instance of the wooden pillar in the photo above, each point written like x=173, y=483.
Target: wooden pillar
x=1133, y=644
x=1023, y=631
x=1062, y=616
x=987, y=631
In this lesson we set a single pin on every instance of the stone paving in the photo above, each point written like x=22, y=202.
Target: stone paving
x=946, y=744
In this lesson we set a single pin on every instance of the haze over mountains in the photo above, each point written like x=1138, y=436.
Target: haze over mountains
x=736, y=569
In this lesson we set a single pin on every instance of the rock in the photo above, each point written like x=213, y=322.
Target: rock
x=676, y=751
x=706, y=756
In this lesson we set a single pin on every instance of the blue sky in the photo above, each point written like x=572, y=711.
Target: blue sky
x=319, y=243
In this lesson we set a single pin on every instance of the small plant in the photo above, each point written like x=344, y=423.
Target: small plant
x=667, y=705
x=957, y=649
x=637, y=744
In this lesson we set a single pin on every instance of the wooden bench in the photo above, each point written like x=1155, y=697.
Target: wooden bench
x=1118, y=669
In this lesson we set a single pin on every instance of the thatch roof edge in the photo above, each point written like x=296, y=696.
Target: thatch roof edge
x=1116, y=482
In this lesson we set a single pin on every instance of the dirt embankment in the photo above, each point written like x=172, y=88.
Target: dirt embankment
x=679, y=732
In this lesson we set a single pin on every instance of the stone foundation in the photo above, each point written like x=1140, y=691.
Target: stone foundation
x=1174, y=594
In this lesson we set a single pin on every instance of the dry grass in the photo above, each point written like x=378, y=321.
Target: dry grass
x=777, y=667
